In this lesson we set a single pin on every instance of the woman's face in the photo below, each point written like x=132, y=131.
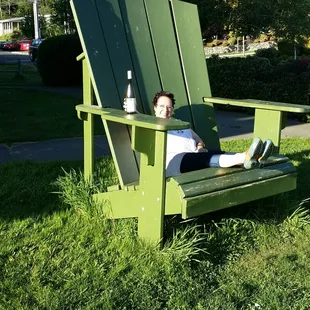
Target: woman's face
x=163, y=108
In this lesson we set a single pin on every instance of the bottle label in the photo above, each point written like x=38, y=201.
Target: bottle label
x=131, y=105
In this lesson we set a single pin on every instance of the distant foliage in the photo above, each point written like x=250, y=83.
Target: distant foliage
x=286, y=48
x=16, y=35
x=57, y=62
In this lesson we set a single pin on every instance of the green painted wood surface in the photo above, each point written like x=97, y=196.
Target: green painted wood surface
x=106, y=89
x=261, y=104
x=152, y=187
x=89, y=145
x=235, y=196
x=115, y=203
x=195, y=71
x=167, y=55
x=95, y=50
x=268, y=125
x=236, y=179
x=113, y=15
x=141, y=48
x=143, y=141
x=201, y=204
x=210, y=173
x=139, y=120
x=195, y=206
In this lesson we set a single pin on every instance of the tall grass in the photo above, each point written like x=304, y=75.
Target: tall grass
x=58, y=251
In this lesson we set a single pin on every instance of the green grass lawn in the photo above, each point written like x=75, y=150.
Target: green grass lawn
x=57, y=251
x=32, y=115
x=29, y=73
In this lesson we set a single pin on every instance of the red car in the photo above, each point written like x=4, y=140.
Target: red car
x=8, y=46
x=22, y=45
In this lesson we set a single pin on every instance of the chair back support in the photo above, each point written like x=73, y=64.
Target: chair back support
x=160, y=41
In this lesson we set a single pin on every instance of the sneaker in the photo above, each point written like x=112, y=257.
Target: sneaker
x=252, y=154
x=268, y=147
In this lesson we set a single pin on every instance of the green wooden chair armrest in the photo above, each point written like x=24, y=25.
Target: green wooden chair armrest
x=270, y=117
x=260, y=104
x=138, y=120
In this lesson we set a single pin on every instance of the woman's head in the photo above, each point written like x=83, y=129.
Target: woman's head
x=163, y=104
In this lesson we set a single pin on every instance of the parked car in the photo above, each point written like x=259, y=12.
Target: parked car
x=3, y=42
x=33, y=49
x=22, y=45
x=8, y=46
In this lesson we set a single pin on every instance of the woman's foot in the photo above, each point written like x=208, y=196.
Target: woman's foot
x=268, y=147
x=253, y=153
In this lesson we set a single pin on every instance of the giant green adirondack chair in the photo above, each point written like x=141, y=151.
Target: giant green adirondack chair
x=160, y=41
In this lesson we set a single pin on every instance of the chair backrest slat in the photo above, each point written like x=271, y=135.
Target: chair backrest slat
x=141, y=52
x=94, y=20
x=167, y=54
x=195, y=70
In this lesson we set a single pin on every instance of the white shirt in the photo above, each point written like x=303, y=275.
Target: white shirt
x=179, y=142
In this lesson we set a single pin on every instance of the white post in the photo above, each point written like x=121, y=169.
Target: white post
x=36, y=20
x=243, y=45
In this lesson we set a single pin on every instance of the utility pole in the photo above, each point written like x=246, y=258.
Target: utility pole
x=37, y=34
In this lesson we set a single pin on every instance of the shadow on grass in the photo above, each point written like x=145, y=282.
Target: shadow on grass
x=27, y=188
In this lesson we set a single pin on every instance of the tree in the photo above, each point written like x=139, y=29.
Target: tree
x=287, y=19
x=8, y=8
x=62, y=16
x=250, y=17
x=213, y=16
x=292, y=20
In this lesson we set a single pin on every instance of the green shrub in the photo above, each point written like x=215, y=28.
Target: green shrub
x=16, y=35
x=263, y=38
x=291, y=66
x=57, y=62
x=271, y=53
x=236, y=77
x=257, y=78
x=232, y=40
x=13, y=36
x=216, y=42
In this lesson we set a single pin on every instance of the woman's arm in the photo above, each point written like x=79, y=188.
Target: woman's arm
x=200, y=143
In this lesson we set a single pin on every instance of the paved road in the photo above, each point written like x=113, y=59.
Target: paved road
x=8, y=57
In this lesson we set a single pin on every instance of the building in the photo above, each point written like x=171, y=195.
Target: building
x=8, y=25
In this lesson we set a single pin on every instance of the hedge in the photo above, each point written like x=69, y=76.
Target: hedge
x=57, y=62
x=260, y=78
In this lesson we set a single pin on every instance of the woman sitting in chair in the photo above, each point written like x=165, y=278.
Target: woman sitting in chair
x=186, y=150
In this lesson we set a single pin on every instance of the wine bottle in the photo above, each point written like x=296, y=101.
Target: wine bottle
x=130, y=98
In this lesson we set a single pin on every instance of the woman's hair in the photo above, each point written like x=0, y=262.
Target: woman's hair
x=163, y=94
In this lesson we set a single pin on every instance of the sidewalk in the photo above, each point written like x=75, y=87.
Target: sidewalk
x=231, y=125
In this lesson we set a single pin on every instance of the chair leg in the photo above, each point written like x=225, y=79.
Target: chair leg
x=268, y=125
x=152, y=184
x=89, y=148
